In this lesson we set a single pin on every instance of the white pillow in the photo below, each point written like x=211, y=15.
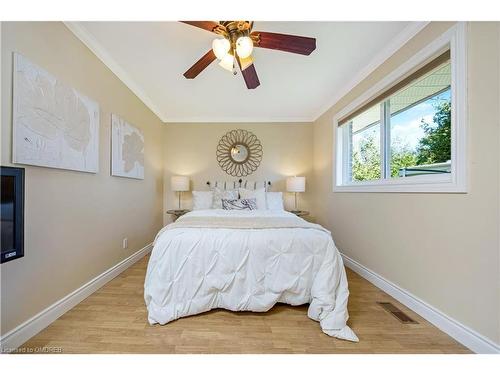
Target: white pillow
x=258, y=194
x=202, y=200
x=275, y=201
x=220, y=194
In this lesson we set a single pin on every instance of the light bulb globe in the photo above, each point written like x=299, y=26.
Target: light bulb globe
x=221, y=47
x=244, y=46
x=227, y=62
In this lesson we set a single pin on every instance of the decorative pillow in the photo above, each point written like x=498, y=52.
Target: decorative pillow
x=275, y=201
x=258, y=194
x=239, y=204
x=202, y=200
x=220, y=194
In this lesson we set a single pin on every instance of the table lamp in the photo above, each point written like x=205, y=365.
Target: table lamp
x=296, y=185
x=179, y=184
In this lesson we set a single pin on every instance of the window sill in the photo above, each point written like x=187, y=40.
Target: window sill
x=407, y=185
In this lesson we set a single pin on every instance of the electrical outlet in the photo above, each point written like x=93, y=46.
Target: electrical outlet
x=125, y=243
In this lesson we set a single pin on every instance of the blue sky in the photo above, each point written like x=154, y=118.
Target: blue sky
x=406, y=125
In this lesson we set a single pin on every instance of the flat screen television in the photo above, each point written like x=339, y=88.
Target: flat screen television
x=12, y=213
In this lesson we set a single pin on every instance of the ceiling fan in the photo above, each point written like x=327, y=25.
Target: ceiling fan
x=236, y=44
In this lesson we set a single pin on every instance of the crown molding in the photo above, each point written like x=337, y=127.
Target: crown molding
x=239, y=119
x=396, y=43
x=392, y=47
x=101, y=53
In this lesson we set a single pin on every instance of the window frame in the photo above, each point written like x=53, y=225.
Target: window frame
x=456, y=182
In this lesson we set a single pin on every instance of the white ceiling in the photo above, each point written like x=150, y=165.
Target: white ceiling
x=150, y=57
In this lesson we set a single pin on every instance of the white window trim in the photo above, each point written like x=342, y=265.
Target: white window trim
x=456, y=181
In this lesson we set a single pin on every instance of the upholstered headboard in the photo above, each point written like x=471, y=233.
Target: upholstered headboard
x=246, y=184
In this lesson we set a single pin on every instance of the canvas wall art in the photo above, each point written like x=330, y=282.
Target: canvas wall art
x=53, y=124
x=127, y=149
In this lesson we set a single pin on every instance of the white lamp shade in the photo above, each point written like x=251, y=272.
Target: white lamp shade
x=179, y=183
x=296, y=184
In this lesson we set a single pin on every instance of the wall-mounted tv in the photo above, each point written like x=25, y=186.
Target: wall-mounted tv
x=12, y=213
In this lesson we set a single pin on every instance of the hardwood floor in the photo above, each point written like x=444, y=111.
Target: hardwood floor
x=114, y=320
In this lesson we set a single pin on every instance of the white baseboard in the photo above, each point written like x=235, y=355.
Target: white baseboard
x=22, y=333
x=463, y=334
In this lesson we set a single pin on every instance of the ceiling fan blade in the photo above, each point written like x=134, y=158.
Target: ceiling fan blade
x=201, y=64
x=205, y=25
x=249, y=74
x=283, y=42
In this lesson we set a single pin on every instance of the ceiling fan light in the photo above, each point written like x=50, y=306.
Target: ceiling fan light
x=221, y=47
x=227, y=62
x=244, y=46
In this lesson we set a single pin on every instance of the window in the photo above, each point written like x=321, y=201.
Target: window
x=363, y=139
x=420, y=135
x=408, y=136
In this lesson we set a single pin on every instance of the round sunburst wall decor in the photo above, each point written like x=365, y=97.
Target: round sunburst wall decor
x=239, y=153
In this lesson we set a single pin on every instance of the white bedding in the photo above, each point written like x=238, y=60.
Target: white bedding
x=192, y=270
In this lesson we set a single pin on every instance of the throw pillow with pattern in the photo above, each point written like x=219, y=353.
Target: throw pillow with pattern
x=239, y=204
x=220, y=194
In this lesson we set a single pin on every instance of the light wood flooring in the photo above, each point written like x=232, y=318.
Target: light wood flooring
x=114, y=320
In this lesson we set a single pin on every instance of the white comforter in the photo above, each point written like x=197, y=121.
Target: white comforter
x=192, y=270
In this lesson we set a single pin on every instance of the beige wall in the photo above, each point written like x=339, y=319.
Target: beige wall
x=443, y=248
x=74, y=221
x=190, y=150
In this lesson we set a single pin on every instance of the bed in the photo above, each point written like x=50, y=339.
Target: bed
x=244, y=260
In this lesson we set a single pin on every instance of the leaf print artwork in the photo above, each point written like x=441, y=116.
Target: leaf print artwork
x=53, y=124
x=132, y=151
x=127, y=149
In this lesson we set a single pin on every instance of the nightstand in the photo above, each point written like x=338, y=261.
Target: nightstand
x=177, y=213
x=301, y=214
